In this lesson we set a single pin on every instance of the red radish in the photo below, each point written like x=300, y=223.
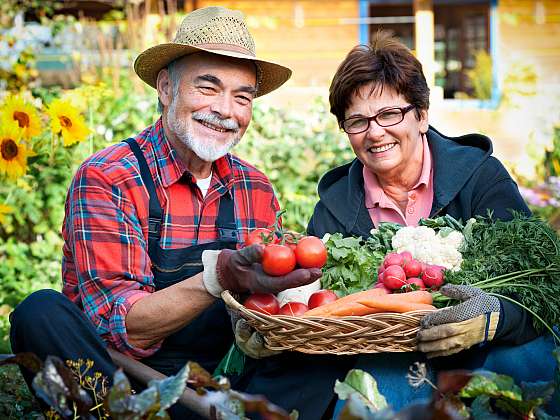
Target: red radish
x=393, y=259
x=433, y=276
x=293, y=309
x=418, y=282
x=407, y=256
x=380, y=269
x=412, y=268
x=321, y=297
x=394, y=277
x=382, y=287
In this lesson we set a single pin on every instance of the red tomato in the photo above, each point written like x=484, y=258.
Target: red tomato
x=278, y=260
x=291, y=239
x=321, y=297
x=293, y=309
x=311, y=252
x=258, y=236
x=394, y=277
x=265, y=303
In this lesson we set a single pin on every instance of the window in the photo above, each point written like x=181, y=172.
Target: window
x=462, y=29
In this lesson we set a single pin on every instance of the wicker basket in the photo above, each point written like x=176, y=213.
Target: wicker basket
x=376, y=333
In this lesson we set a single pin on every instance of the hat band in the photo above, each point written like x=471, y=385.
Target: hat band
x=224, y=47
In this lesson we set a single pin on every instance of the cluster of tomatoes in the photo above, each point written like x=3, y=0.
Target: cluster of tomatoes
x=402, y=272
x=283, y=251
x=267, y=303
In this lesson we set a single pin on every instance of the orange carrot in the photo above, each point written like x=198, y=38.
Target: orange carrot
x=325, y=310
x=394, y=303
x=353, y=309
x=417, y=296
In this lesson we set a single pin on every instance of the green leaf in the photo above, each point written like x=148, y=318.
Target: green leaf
x=493, y=385
x=170, y=389
x=362, y=384
x=481, y=410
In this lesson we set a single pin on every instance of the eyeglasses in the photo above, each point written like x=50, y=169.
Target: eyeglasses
x=386, y=118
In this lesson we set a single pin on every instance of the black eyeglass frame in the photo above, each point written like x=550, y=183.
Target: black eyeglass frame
x=403, y=110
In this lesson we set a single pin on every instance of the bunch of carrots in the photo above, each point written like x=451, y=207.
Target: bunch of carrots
x=374, y=301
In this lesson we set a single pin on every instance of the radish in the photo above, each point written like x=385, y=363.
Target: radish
x=433, y=276
x=407, y=256
x=412, y=268
x=380, y=269
x=418, y=282
x=380, y=277
x=393, y=259
x=382, y=287
x=394, y=277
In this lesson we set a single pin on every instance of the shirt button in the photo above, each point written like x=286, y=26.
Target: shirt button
x=411, y=210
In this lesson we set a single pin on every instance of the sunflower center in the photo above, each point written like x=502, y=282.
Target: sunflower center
x=22, y=118
x=9, y=149
x=65, y=121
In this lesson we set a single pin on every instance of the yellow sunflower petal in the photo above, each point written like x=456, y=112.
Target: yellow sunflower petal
x=13, y=152
x=24, y=114
x=66, y=119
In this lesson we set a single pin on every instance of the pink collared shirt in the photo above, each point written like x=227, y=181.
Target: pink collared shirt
x=382, y=208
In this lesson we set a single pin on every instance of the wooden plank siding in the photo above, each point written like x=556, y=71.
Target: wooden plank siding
x=309, y=36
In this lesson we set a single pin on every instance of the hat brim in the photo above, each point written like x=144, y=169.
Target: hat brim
x=149, y=63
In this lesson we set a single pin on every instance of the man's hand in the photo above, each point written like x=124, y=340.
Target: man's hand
x=241, y=272
x=250, y=341
x=450, y=330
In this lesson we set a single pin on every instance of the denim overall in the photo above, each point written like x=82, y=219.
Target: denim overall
x=208, y=337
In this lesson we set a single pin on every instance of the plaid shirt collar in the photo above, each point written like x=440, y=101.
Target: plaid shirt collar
x=172, y=169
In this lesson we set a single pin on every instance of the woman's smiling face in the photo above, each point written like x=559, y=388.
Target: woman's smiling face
x=386, y=151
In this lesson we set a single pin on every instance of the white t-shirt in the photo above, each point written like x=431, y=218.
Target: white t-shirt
x=204, y=184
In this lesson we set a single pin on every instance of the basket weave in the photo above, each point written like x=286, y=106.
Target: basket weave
x=375, y=333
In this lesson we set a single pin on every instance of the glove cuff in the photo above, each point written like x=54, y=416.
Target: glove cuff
x=210, y=275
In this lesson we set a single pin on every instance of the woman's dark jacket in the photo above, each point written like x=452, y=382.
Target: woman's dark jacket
x=468, y=181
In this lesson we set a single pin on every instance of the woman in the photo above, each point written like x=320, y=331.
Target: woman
x=406, y=170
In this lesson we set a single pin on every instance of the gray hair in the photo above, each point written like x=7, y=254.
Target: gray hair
x=173, y=69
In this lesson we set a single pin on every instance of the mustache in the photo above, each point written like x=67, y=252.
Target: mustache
x=225, y=123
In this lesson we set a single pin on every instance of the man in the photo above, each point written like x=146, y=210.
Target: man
x=152, y=223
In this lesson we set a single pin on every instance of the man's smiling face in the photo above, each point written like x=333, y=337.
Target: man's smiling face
x=213, y=104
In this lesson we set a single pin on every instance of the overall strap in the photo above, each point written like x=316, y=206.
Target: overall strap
x=155, y=214
x=225, y=223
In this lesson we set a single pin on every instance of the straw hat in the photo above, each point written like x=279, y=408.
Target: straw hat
x=216, y=30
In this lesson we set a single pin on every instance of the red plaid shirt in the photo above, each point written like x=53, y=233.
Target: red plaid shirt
x=105, y=266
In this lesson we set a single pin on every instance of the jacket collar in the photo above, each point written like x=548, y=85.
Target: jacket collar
x=455, y=159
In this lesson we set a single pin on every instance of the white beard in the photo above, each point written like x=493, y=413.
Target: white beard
x=206, y=149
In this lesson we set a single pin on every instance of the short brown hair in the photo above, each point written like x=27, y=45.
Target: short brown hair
x=386, y=62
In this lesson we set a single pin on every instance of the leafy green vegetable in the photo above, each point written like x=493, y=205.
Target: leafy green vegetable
x=352, y=264
x=362, y=384
x=518, y=260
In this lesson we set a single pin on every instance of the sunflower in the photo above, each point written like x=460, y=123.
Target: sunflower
x=66, y=119
x=24, y=114
x=13, y=152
